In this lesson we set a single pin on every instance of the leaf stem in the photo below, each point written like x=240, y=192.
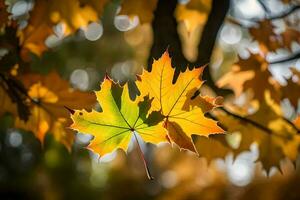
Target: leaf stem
x=150, y=177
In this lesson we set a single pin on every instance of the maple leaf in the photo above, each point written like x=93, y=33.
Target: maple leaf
x=69, y=13
x=120, y=119
x=142, y=8
x=183, y=111
x=264, y=34
x=291, y=90
x=252, y=75
x=193, y=14
x=49, y=94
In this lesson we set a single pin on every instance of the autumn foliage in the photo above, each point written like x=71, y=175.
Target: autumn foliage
x=208, y=96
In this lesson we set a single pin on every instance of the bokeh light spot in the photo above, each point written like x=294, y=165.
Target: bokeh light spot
x=93, y=31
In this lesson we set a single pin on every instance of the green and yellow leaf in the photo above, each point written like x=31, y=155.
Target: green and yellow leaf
x=119, y=120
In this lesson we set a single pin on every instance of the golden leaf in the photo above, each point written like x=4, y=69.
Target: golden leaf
x=183, y=113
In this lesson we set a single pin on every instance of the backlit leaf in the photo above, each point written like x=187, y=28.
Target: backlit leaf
x=119, y=120
x=183, y=113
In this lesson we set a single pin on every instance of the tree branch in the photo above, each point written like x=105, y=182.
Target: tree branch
x=258, y=125
x=165, y=35
x=289, y=58
x=256, y=20
x=286, y=13
x=254, y=123
x=206, y=45
x=266, y=9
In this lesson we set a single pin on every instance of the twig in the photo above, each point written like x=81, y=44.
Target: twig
x=285, y=14
x=266, y=9
x=256, y=20
x=254, y=123
x=235, y=22
x=292, y=124
x=290, y=58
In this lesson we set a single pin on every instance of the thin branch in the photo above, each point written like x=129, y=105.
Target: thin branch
x=287, y=59
x=256, y=20
x=234, y=21
x=258, y=125
x=292, y=124
x=206, y=45
x=254, y=123
x=266, y=9
x=279, y=16
x=13, y=85
x=286, y=13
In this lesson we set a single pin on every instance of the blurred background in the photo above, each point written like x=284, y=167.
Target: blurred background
x=122, y=46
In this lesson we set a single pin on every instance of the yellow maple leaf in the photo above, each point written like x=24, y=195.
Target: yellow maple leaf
x=49, y=94
x=183, y=113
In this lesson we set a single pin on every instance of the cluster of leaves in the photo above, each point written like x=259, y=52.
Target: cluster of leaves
x=44, y=103
x=36, y=101
x=269, y=41
x=162, y=112
x=260, y=118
